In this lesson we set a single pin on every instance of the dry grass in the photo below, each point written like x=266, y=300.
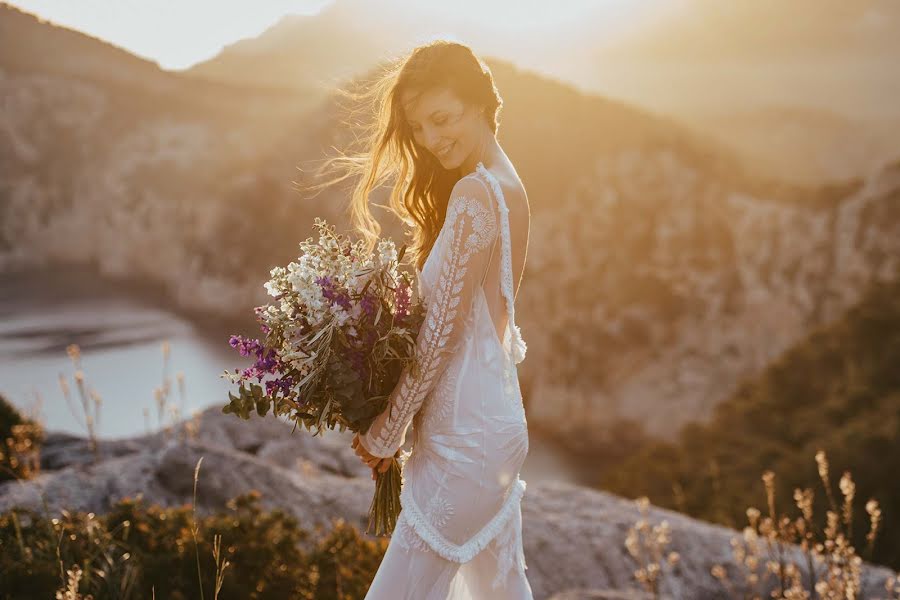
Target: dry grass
x=646, y=544
x=831, y=565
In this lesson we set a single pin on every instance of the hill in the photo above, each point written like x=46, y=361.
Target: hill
x=660, y=273
x=837, y=390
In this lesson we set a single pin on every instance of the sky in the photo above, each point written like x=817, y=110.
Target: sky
x=179, y=33
x=174, y=33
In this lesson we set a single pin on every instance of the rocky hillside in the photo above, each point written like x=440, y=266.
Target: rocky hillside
x=106, y=156
x=574, y=537
x=661, y=285
x=838, y=391
x=660, y=274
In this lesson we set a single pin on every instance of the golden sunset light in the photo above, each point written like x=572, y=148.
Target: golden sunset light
x=471, y=299
x=178, y=35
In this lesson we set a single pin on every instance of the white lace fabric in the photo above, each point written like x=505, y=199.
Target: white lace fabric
x=468, y=231
x=461, y=494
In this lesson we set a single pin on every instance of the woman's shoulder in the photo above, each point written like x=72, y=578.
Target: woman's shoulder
x=470, y=195
x=471, y=185
x=510, y=184
x=479, y=190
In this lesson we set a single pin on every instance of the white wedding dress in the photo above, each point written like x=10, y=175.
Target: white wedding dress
x=459, y=533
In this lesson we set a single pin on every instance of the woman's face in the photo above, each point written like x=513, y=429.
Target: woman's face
x=442, y=124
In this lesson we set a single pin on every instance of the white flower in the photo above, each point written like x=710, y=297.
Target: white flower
x=387, y=252
x=356, y=311
x=341, y=316
x=272, y=287
x=301, y=364
x=297, y=281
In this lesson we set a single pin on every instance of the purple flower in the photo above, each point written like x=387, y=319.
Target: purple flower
x=369, y=306
x=282, y=384
x=244, y=345
x=332, y=294
x=267, y=361
x=403, y=297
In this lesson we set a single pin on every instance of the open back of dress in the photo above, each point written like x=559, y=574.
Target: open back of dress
x=462, y=492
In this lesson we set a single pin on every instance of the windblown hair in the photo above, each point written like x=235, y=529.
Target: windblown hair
x=421, y=186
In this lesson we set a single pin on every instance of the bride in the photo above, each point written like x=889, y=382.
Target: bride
x=459, y=533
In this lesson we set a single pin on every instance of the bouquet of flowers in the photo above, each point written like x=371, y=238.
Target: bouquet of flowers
x=338, y=335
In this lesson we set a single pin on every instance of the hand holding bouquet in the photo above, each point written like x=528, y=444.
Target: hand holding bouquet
x=340, y=331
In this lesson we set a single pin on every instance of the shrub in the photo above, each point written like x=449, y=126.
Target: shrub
x=138, y=552
x=20, y=444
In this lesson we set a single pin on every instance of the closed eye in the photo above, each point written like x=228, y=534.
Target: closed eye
x=441, y=120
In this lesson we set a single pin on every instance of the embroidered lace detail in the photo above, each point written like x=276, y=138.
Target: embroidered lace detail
x=478, y=542
x=510, y=551
x=440, y=405
x=508, y=543
x=517, y=344
x=407, y=538
x=439, y=511
x=469, y=228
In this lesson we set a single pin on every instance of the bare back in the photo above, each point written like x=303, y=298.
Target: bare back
x=519, y=225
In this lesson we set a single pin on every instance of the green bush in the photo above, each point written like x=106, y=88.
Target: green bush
x=9, y=416
x=20, y=444
x=136, y=551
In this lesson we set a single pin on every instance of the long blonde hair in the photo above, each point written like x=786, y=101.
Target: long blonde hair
x=421, y=186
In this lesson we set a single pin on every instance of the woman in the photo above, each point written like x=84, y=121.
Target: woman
x=459, y=534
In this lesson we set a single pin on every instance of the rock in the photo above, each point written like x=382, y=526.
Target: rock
x=62, y=450
x=574, y=536
x=164, y=476
x=269, y=438
x=329, y=451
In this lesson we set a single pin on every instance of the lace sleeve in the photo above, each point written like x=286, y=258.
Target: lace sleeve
x=470, y=230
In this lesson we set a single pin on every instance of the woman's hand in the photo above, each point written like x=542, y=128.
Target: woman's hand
x=376, y=462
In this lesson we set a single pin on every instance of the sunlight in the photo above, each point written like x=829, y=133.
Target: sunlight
x=198, y=30
x=174, y=35
x=538, y=14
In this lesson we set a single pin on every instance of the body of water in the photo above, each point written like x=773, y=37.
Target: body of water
x=120, y=329
x=121, y=339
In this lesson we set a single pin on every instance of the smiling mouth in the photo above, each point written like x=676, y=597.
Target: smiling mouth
x=445, y=151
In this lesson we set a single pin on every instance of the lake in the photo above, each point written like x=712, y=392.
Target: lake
x=121, y=328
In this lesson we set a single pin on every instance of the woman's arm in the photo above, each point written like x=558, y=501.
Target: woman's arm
x=471, y=230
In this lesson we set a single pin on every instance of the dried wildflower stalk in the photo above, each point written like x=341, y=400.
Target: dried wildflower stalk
x=646, y=543
x=70, y=589
x=832, y=566
x=90, y=401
